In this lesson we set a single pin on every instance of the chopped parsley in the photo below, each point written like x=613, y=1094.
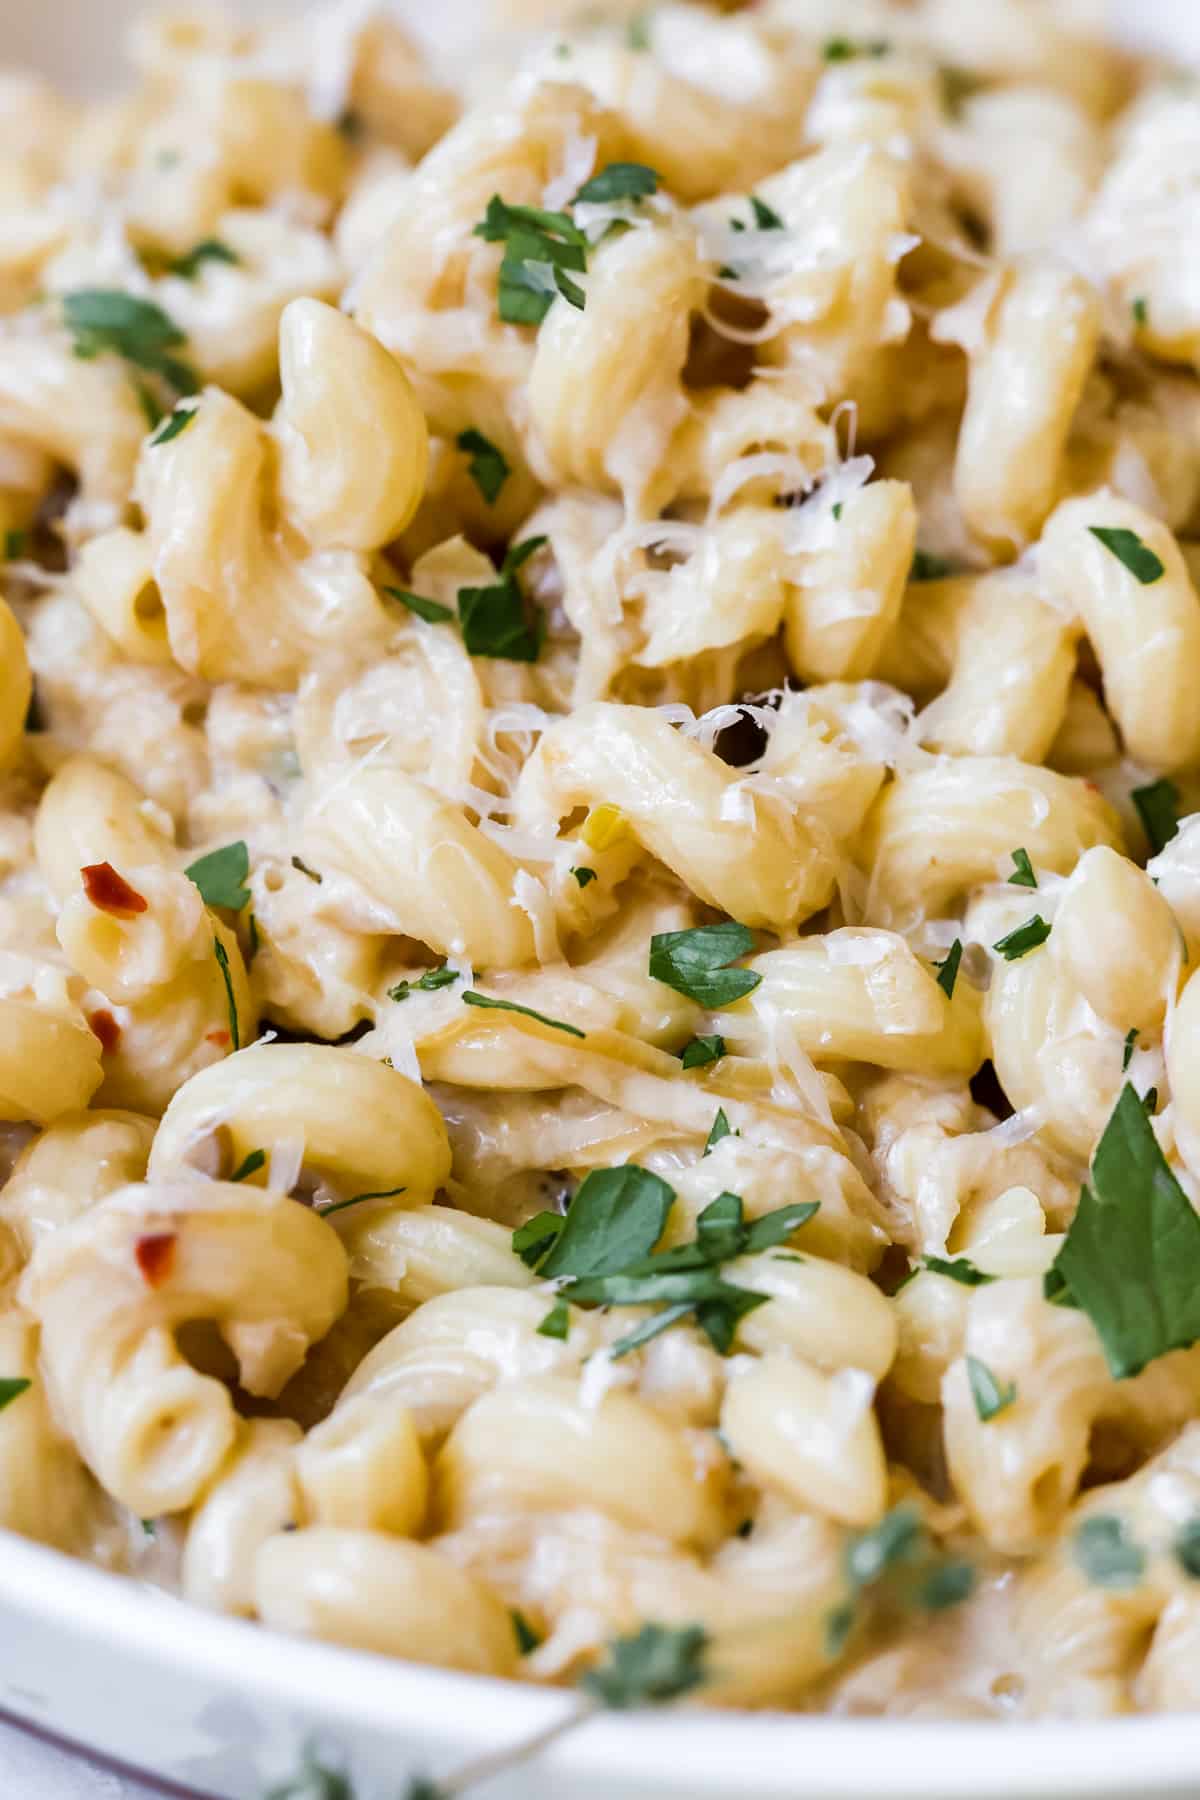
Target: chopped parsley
x=928, y=567
x=696, y=963
x=16, y=545
x=302, y=868
x=1131, y=1038
x=357, y=1199
x=1141, y=310
x=557, y=1322
x=1023, y=875
x=222, y=956
x=637, y=32
x=220, y=876
x=900, y=1553
x=1129, y=549
x=869, y=1555
x=1025, y=938
x=472, y=999
x=721, y=1128
x=703, y=1050
x=314, y=1781
x=488, y=468
x=11, y=1388
x=541, y=252
x=173, y=425
x=765, y=217
x=493, y=618
x=429, y=983
x=1158, y=809
x=991, y=1397
x=432, y=611
x=249, y=1166
x=206, y=251
x=1187, y=1548
x=619, y=181
x=615, y=1219
x=583, y=876
x=842, y=49
x=105, y=319
x=527, y=1638
x=948, y=970
x=958, y=1268
x=656, y=1664
x=1131, y=1260
x=1107, y=1555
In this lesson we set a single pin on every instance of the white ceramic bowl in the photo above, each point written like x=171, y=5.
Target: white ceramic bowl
x=222, y=1709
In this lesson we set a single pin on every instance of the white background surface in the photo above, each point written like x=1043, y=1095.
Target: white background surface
x=30, y=1770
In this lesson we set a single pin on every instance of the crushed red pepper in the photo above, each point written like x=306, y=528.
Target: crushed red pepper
x=111, y=893
x=105, y=1027
x=155, y=1255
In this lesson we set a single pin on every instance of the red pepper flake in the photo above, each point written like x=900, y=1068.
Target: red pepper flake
x=155, y=1255
x=111, y=892
x=220, y=1038
x=106, y=1029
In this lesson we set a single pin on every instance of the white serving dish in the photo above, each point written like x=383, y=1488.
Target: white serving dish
x=221, y=1709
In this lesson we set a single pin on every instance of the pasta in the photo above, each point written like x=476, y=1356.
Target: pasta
x=600, y=845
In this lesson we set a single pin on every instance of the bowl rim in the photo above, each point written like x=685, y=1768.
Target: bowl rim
x=758, y=1753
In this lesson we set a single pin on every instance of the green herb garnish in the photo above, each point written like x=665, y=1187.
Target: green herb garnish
x=432, y=611
x=488, y=468
x=657, y=1664
x=1023, y=875
x=494, y=621
x=948, y=970
x=250, y=1166
x=991, y=1397
x=557, y=1322
x=765, y=217
x=583, y=876
x=1025, y=938
x=1131, y=1038
x=1158, y=809
x=527, y=1638
x=104, y=319
x=696, y=963
x=222, y=957
x=220, y=876
x=11, y=1388
x=615, y=1219
x=619, y=181
x=174, y=425
x=206, y=251
x=721, y=1128
x=928, y=567
x=473, y=999
x=302, y=868
x=357, y=1199
x=429, y=983
x=1141, y=310
x=1106, y=1553
x=1187, y=1548
x=542, y=250
x=1129, y=549
x=1131, y=1259
x=958, y=1268
x=703, y=1050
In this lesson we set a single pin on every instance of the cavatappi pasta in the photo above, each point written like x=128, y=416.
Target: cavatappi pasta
x=600, y=842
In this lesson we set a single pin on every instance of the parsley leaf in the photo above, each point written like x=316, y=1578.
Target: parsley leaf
x=1141, y=310
x=172, y=426
x=765, y=217
x=557, y=1322
x=472, y=999
x=220, y=876
x=16, y=544
x=531, y=1240
x=842, y=49
x=721, y=1128
x=615, y=1219
x=357, y=1200
x=958, y=1268
x=1106, y=1553
x=696, y=963
x=430, y=982
x=249, y=1166
x=1025, y=938
x=637, y=32
x=101, y=319
x=703, y=1050
x=1158, y=809
x=432, y=611
x=928, y=567
x=948, y=970
x=1131, y=1259
x=1023, y=875
x=493, y=617
x=991, y=1397
x=11, y=1388
x=1129, y=549
x=1131, y=1038
x=489, y=468
x=207, y=250
x=222, y=956
x=871, y=1554
x=583, y=876
x=540, y=247
x=527, y=1638
x=657, y=1664
x=619, y=181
